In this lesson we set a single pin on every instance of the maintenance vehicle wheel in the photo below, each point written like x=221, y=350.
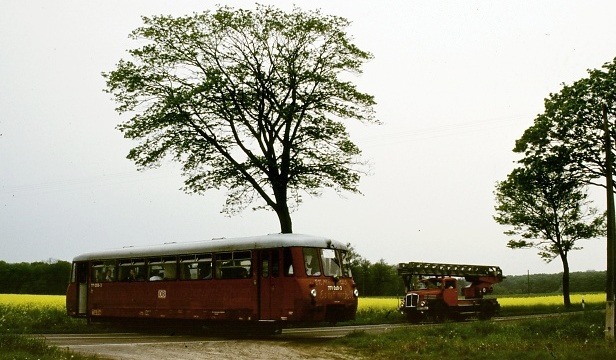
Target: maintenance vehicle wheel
x=487, y=310
x=414, y=317
x=439, y=312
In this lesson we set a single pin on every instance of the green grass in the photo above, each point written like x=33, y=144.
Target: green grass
x=570, y=336
x=36, y=314
x=20, y=347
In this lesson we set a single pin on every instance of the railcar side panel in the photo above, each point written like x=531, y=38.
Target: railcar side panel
x=204, y=299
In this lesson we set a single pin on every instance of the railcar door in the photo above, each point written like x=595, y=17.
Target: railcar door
x=270, y=290
x=81, y=278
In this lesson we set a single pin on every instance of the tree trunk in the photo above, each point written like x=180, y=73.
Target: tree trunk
x=284, y=217
x=566, y=297
x=282, y=209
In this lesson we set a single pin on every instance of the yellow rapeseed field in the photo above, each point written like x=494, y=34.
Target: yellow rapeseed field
x=377, y=303
x=34, y=301
x=595, y=298
x=365, y=303
x=383, y=303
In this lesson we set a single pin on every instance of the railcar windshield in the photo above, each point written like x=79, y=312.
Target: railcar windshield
x=329, y=262
x=332, y=266
x=311, y=261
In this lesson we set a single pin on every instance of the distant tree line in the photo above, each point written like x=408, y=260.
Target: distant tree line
x=50, y=278
x=372, y=279
x=588, y=281
x=378, y=279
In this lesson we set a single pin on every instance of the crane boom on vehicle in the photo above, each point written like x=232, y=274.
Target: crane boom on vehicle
x=432, y=290
x=458, y=270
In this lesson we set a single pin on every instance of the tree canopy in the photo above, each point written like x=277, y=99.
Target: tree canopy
x=547, y=208
x=250, y=101
x=572, y=125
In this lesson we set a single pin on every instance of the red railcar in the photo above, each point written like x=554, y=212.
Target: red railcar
x=276, y=279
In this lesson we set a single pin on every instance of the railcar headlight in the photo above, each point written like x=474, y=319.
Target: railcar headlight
x=313, y=293
x=356, y=293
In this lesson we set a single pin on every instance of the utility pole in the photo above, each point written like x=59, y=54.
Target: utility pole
x=609, y=307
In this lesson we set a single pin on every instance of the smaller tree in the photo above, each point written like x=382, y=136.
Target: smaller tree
x=548, y=210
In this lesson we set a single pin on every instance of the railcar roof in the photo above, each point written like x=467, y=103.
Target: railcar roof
x=215, y=245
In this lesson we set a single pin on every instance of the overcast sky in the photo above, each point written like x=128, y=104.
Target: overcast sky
x=456, y=82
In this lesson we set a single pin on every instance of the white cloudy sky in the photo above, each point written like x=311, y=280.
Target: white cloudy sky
x=456, y=82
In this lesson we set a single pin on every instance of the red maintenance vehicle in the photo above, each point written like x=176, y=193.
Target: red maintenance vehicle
x=432, y=291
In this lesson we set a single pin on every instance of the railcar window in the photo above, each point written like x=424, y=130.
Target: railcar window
x=287, y=262
x=265, y=265
x=331, y=263
x=196, y=267
x=275, y=263
x=132, y=270
x=96, y=273
x=311, y=261
x=81, y=272
x=234, y=265
x=103, y=271
x=162, y=269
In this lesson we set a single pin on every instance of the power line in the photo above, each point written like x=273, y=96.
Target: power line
x=445, y=130
x=104, y=180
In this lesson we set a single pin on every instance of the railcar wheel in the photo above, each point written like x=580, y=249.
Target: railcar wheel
x=274, y=329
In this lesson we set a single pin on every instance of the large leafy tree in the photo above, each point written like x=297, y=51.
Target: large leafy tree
x=572, y=123
x=572, y=126
x=253, y=101
x=548, y=210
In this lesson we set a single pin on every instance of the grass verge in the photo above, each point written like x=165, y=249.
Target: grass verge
x=18, y=347
x=570, y=336
x=24, y=319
